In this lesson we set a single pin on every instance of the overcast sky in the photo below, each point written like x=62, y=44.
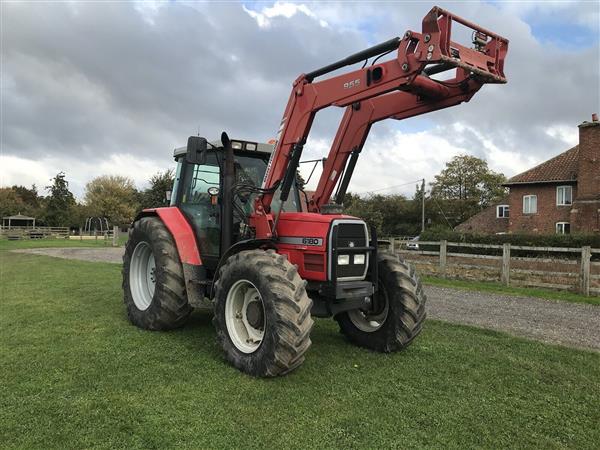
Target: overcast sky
x=92, y=88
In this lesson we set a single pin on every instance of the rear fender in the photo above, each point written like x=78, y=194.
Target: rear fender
x=194, y=271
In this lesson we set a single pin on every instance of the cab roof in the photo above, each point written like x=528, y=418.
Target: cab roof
x=260, y=147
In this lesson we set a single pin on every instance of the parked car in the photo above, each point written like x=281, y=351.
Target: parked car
x=413, y=244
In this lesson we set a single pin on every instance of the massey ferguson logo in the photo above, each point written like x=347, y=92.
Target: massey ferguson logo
x=351, y=84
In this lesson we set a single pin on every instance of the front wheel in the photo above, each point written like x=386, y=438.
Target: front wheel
x=262, y=313
x=400, y=311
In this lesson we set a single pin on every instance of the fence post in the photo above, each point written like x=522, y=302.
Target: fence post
x=80, y=234
x=586, y=255
x=115, y=235
x=393, y=245
x=443, y=247
x=505, y=277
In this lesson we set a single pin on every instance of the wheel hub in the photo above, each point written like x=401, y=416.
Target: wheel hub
x=255, y=315
x=245, y=316
x=372, y=320
x=142, y=275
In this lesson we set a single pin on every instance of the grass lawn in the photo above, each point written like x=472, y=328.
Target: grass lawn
x=488, y=286
x=75, y=374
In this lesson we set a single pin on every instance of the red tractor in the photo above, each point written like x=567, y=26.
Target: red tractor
x=236, y=235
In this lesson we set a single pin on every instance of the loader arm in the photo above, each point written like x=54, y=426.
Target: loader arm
x=419, y=55
x=356, y=124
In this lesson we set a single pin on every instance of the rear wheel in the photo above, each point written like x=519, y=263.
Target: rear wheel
x=153, y=283
x=400, y=314
x=262, y=313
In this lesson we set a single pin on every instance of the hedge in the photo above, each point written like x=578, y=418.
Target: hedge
x=534, y=240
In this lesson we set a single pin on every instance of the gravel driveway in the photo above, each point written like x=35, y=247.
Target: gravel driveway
x=571, y=324
x=107, y=254
x=555, y=322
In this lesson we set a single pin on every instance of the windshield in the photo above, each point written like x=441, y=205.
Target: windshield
x=249, y=172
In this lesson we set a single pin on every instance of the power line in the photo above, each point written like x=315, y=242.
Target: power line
x=390, y=187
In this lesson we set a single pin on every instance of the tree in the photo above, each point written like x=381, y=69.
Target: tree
x=11, y=203
x=465, y=187
x=113, y=197
x=29, y=196
x=160, y=183
x=60, y=203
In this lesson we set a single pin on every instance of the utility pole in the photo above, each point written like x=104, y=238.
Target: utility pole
x=422, y=205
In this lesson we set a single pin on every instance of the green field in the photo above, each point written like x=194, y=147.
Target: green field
x=75, y=374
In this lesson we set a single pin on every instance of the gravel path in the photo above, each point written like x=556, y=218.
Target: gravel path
x=555, y=322
x=571, y=324
x=107, y=254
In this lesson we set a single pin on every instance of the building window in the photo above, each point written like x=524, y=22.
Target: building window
x=563, y=228
x=529, y=204
x=564, y=195
x=502, y=211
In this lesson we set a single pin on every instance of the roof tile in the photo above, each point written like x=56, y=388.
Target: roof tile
x=562, y=167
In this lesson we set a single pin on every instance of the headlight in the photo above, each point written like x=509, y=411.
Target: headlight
x=359, y=259
x=343, y=260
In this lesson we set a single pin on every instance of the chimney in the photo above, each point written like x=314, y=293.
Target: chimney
x=588, y=177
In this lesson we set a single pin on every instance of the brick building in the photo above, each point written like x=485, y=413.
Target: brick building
x=561, y=195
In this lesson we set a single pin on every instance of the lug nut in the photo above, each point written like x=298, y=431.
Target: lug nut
x=405, y=67
x=430, y=48
x=427, y=37
x=429, y=55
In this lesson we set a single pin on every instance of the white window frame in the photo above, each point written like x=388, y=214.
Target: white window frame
x=564, y=197
x=502, y=208
x=560, y=227
x=531, y=210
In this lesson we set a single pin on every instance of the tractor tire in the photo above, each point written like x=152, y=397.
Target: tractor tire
x=401, y=313
x=153, y=282
x=262, y=313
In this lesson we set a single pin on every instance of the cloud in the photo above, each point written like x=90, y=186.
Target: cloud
x=84, y=84
x=21, y=171
x=281, y=9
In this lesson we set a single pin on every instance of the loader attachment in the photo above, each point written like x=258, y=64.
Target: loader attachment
x=484, y=60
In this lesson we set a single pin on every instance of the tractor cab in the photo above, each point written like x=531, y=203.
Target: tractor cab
x=198, y=189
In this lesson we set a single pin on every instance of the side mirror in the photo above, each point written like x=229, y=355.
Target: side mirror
x=196, y=150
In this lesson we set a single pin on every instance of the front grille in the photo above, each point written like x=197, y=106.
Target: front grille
x=351, y=234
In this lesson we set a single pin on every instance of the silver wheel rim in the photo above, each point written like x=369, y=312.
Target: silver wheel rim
x=245, y=336
x=370, y=322
x=142, y=276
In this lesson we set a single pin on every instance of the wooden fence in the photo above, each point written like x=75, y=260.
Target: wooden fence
x=565, y=268
x=17, y=233
x=20, y=233
x=99, y=235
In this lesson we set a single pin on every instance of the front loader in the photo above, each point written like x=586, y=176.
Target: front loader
x=237, y=238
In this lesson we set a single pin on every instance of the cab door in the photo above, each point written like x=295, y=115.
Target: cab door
x=197, y=205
